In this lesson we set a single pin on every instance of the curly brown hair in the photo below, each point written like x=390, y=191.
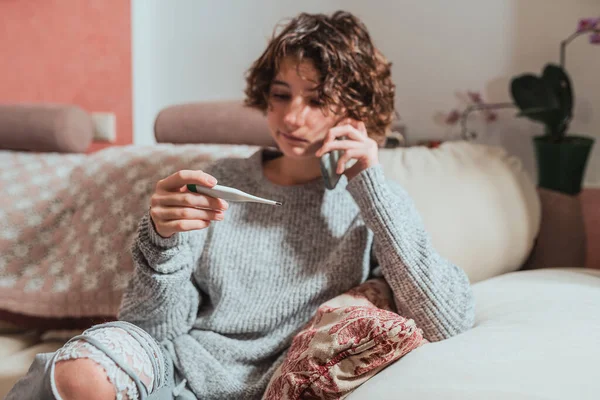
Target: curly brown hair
x=354, y=74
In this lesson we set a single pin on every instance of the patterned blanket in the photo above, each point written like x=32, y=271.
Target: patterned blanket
x=67, y=221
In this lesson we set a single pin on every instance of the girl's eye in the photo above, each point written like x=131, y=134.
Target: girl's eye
x=287, y=97
x=280, y=96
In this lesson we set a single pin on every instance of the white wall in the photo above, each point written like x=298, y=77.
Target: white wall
x=193, y=50
x=190, y=50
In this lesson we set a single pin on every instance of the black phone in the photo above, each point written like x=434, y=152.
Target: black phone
x=329, y=162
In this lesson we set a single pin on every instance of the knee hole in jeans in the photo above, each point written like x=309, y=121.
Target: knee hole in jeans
x=124, y=347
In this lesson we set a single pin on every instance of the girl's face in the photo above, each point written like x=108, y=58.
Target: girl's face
x=295, y=118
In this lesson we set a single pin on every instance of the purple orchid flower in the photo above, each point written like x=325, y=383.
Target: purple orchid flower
x=475, y=97
x=588, y=24
x=453, y=117
x=595, y=38
x=491, y=116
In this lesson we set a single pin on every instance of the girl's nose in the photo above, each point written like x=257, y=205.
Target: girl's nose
x=295, y=115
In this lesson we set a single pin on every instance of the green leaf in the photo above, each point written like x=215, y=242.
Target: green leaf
x=553, y=119
x=538, y=101
x=530, y=91
x=557, y=80
x=536, y=112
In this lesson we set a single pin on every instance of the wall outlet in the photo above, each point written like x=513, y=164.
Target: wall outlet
x=105, y=126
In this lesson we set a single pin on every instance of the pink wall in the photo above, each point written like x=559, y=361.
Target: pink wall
x=69, y=51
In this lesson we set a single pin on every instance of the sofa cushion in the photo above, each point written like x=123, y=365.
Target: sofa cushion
x=224, y=122
x=536, y=336
x=351, y=338
x=45, y=128
x=478, y=203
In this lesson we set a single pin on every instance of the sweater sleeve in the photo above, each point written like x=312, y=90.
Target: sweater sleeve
x=161, y=297
x=431, y=290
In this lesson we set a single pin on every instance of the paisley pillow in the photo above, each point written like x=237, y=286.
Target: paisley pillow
x=351, y=338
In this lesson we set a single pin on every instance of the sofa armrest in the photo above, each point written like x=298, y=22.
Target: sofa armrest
x=561, y=241
x=45, y=127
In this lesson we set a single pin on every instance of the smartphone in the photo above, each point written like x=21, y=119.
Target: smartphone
x=329, y=162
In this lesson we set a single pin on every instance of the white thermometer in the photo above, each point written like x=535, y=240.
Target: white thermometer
x=230, y=194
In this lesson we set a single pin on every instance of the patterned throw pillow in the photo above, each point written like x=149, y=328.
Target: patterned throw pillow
x=351, y=338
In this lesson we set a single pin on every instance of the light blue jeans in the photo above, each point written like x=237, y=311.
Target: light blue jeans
x=135, y=363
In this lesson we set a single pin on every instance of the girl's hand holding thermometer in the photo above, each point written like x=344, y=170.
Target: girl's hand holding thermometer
x=174, y=209
x=190, y=200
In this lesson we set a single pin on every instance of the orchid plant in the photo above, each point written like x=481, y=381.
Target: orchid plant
x=549, y=98
x=586, y=26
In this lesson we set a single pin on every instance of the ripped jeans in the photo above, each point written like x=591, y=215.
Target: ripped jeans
x=136, y=365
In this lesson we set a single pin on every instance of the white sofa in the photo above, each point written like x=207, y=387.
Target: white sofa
x=537, y=332
x=536, y=336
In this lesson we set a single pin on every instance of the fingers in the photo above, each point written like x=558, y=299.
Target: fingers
x=165, y=214
x=344, y=145
x=346, y=156
x=170, y=220
x=362, y=128
x=187, y=199
x=173, y=209
x=169, y=228
x=348, y=128
x=175, y=181
x=358, y=125
x=345, y=130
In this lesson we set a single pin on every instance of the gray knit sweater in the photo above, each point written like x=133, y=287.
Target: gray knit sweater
x=230, y=298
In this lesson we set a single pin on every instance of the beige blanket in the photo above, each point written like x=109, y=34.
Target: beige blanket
x=66, y=223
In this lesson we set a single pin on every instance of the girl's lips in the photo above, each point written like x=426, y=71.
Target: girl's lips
x=292, y=138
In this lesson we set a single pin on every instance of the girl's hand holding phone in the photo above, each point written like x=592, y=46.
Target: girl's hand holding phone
x=357, y=146
x=174, y=209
